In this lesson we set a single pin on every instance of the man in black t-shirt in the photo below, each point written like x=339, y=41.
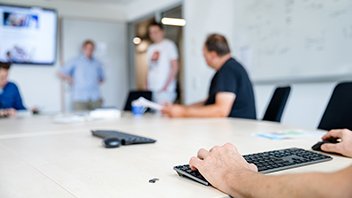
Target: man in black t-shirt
x=231, y=92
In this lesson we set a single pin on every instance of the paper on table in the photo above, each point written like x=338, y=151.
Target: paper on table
x=105, y=113
x=98, y=114
x=69, y=119
x=287, y=134
x=147, y=103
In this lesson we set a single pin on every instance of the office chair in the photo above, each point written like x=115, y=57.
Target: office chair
x=134, y=95
x=338, y=113
x=277, y=104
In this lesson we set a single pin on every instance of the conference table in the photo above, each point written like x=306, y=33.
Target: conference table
x=41, y=158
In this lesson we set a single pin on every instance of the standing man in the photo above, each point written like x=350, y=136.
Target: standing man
x=10, y=97
x=231, y=91
x=163, y=65
x=85, y=74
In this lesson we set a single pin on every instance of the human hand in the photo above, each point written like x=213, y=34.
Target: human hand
x=344, y=147
x=220, y=164
x=7, y=112
x=174, y=111
x=2, y=113
x=69, y=80
x=164, y=89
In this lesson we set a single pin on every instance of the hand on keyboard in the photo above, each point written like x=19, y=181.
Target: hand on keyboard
x=215, y=164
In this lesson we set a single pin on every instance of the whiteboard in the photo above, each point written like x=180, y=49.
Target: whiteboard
x=294, y=39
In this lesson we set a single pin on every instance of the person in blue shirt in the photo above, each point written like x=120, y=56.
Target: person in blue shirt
x=10, y=97
x=85, y=74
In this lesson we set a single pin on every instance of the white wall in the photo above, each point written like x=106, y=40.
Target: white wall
x=38, y=85
x=142, y=8
x=202, y=18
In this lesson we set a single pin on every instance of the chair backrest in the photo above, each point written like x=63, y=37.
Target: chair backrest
x=134, y=95
x=338, y=113
x=277, y=104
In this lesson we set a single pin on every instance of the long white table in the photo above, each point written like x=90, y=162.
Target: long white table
x=39, y=158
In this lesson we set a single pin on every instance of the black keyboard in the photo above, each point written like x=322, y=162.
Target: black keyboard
x=266, y=162
x=125, y=138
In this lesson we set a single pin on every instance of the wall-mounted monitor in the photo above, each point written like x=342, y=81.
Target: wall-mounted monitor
x=28, y=35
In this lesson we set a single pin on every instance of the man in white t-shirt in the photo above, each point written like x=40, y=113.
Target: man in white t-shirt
x=163, y=66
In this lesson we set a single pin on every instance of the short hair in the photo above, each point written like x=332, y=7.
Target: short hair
x=4, y=65
x=217, y=43
x=156, y=24
x=88, y=42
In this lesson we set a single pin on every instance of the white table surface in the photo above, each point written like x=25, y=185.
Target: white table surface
x=40, y=158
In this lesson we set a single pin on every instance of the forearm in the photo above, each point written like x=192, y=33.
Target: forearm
x=336, y=184
x=172, y=74
x=210, y=111
x=64, y=76
x=145, y=83
x=198, y=104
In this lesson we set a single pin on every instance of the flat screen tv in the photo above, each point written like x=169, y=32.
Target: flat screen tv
x=28, y=35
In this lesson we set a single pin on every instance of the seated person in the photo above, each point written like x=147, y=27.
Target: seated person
x=227, y=170
x=231, y=92
x=10, y=97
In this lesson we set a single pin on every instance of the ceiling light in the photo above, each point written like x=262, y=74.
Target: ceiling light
x=137, y=40
x=173, y=21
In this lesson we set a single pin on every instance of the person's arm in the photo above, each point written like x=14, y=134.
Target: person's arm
x=62, y=75
x=66, y=72
x=227, y=170
x=197, y=104
x=337, y=184
x=221, y=108
x=172, y=75
x=101, y=74
x=172, y=52
x=18, y=100
x=146, y=75
x=146, y=88
x=65, y=77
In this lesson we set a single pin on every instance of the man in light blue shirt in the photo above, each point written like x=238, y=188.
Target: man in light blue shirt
x=85, y=74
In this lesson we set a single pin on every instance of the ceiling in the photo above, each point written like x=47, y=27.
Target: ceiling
x=119, y=2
